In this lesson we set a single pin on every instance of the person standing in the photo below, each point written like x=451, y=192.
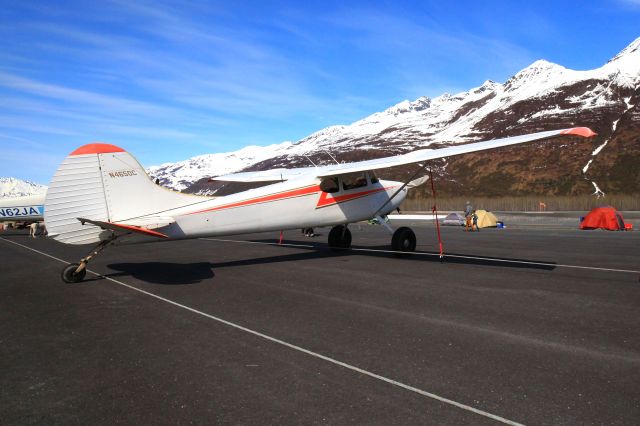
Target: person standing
x=475, y=222
x=468, y=209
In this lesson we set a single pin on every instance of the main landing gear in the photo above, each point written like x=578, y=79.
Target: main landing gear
x=75, y=272
x=402, y=241
x=339, y=237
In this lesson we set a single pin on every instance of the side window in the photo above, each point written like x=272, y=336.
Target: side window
x=354, y=180
x=373, y=177
x=329, y=184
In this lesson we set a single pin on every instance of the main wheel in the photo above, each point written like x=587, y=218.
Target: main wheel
x=403, y=240
x=340, y=237
x=69, y=274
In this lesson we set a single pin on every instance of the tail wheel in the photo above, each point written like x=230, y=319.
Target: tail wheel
x=69, y=274
x=340, y=237
x=404, y=240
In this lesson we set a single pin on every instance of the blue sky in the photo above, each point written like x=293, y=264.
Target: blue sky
x=170, y=80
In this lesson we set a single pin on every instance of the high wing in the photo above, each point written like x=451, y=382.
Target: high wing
x=432, y=154
x=273, y=175
x=278, y=175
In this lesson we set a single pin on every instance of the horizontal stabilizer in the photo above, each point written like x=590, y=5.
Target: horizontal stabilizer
x=149, y=222
x=123, y=227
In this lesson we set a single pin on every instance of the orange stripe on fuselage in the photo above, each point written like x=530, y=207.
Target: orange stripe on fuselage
x=324, y=201
x=329, y=200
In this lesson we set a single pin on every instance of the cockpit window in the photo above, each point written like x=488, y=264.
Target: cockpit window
x=329, y=184
x=373, y=177
x=354, y=180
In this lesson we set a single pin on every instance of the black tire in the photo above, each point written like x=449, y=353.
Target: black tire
x=70, y=276
x=340, y=237
x=404, y=240
x=346, y=239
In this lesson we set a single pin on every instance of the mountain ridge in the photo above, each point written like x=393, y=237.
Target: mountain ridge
x=542, y=96
x=14, y=187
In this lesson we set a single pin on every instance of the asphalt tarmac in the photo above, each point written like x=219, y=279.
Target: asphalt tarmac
x=531, y=326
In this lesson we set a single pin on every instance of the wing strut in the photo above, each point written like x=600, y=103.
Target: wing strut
x=434, y=209
x=408, y=182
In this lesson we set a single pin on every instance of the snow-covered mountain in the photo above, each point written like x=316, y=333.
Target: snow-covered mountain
x=12, y=187
x=542, y=96
x=182, y=174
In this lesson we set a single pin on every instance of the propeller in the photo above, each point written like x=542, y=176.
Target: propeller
x=417, y=182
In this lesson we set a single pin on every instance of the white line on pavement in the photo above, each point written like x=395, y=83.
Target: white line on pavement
x=292, y=346
x=458, y=256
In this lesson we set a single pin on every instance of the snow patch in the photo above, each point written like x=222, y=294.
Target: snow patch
x=13, y=187
x=598, y=192
x=446, y=119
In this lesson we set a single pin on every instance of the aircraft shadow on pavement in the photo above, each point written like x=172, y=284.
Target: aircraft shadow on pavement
x=164, y=272
x=321, y=250
x=312, y=253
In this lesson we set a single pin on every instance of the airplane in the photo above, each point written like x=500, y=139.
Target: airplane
x=101, y=195
x=28, y=208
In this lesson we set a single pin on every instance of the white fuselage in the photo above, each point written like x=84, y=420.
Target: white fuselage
x=94, y=194
x=281, y=206
x=27, y=208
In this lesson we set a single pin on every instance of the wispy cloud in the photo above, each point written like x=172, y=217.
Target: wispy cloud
x=31, y=144
x=412, y=42
x=634, y=3
x=78, y=97
x=32, y=162
x=32, y=126
x=175, y=79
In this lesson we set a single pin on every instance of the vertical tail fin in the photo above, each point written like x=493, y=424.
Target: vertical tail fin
x=105, y=183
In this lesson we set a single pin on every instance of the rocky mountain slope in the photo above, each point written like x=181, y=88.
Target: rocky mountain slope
x=12, y=187
x=542, y=96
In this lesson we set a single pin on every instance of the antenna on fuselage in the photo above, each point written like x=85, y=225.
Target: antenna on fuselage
x=332, y=157
x=307, y=157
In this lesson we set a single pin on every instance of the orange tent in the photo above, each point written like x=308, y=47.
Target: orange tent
x=603, y=218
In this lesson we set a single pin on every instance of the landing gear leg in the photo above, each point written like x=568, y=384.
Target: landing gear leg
x=75, y=272
x=381, y=220
x=339, y=237
x=403, y=240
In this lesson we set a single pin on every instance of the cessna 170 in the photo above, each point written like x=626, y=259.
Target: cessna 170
x=101, y=194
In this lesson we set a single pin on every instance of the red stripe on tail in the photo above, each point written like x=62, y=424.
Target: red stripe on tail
x=97, y=148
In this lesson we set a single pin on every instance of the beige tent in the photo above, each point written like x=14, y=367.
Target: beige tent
x=486, y=219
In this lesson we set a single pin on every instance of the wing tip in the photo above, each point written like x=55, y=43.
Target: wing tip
x=579, y=131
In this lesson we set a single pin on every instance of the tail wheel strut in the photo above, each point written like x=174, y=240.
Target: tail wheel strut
x=75, y=272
